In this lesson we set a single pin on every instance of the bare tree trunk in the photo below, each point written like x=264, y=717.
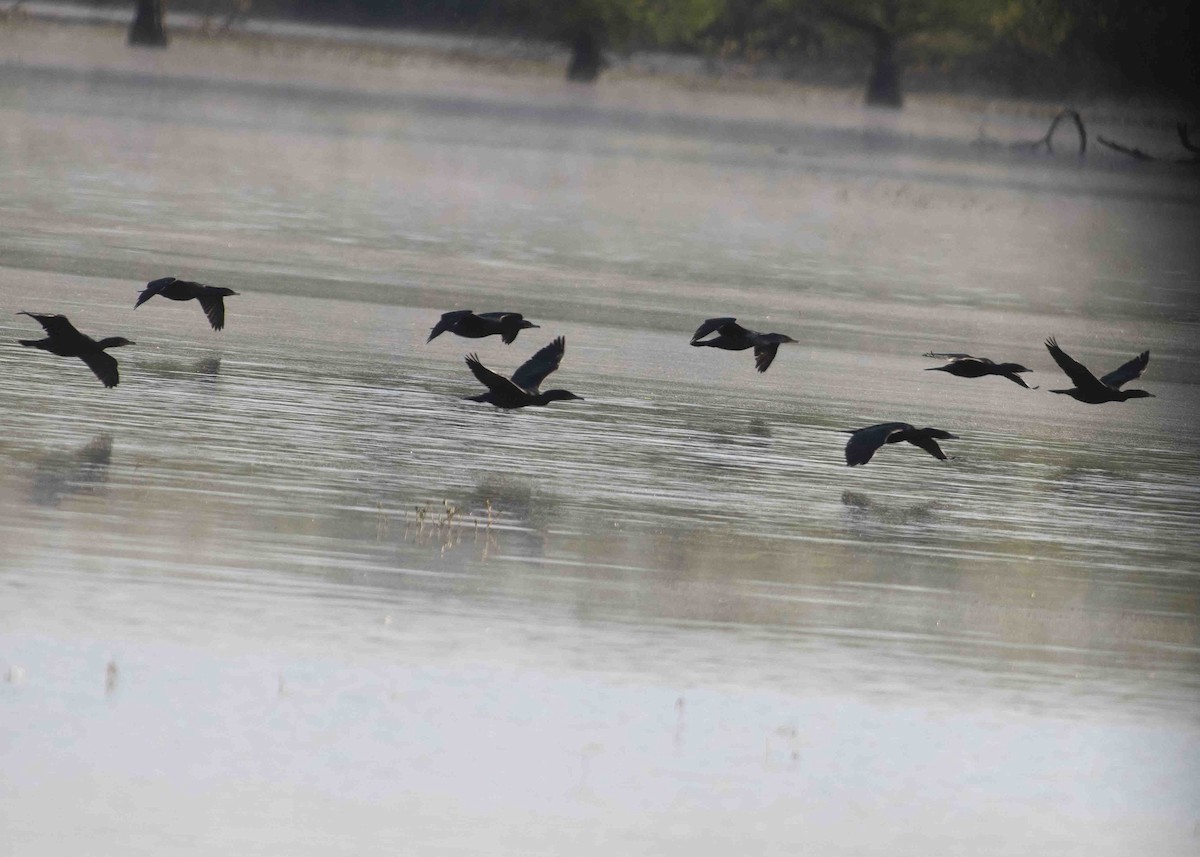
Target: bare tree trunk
x=883, y=87
x=147, y=30
x=587, y=58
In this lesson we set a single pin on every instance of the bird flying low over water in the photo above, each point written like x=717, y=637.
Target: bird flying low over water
x=865, y=441
x=966, y=366
x=65, y=341
x=731, y=336
x=212, y=298
x=524, y=388
x=1096, y=391
x=473, y=325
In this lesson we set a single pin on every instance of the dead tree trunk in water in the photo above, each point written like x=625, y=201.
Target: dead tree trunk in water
x=147, y=30
x=883, y=87
x=587, y=58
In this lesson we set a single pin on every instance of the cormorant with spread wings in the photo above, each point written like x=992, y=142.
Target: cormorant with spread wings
x=473, y=325
x=865, y=441
x=65, y=341
x=523, y=390
x=1096, y=391
x=211, y=298
x=731, y=336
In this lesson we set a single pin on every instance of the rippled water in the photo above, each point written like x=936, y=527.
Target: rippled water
x=283, y=591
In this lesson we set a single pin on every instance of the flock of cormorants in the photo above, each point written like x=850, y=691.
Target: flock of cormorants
x=523, y=389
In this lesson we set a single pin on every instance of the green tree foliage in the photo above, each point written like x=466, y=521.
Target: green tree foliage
x=1152, y=45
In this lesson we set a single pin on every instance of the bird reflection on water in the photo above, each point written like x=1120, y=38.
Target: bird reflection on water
x=60, y=474
x=861, y=507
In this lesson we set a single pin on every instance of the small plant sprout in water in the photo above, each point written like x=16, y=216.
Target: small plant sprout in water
x=446, y=525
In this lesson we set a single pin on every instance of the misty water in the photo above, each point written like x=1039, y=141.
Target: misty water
x=283, y=591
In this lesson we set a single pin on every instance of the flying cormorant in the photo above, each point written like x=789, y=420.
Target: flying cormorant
x=1092, y=391
x=473, y=325
x=523, y=390
x=865, y=441
x=731, y=336
x=966, y=366
x=65, y=341
x=211, y=297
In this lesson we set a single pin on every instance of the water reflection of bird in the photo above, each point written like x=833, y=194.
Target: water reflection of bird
x=1092, y=391
x=865, y=441
x=523, y=390
x=862, y=505
x=212, y=298
x=65, y=341
x=966, y=366
x=60, y=474
x=731, y=336
x=472, y=325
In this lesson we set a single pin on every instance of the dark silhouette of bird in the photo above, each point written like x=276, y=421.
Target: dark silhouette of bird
x=473, y=325
x=1096, y=391
x=865, y=441
x=212, y=298
x=65, y=341
x=524, y=388
x=731, y=336
x=966, y=366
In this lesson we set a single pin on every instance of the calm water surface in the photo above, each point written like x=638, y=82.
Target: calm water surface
x=284, y=592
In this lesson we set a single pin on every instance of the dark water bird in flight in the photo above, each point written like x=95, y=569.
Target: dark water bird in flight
x=65, y=341
x=212, y=298
x=1096, y=391
x=966, y=366
x=524, y=388
x=865, y=441
x=473, y=325
x=731, y=336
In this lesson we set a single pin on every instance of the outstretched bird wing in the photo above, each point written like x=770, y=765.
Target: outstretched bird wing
x=1076, y=371
x=501, y=388
x=926, y=443
x=498, y=316
x=103, y=366
x=949, y=355
x=530, y=375
x=763, y=355
x=55, y=325
x=864, y=441
x=1127, y=372
x=153, y=288
x=1013, y=376
x=447, y=321
x=214, y=308
x=725, y=325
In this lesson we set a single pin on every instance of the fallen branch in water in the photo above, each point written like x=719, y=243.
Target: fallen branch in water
x=1138, y=154
x=1125, y=150
x=1046, y=140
